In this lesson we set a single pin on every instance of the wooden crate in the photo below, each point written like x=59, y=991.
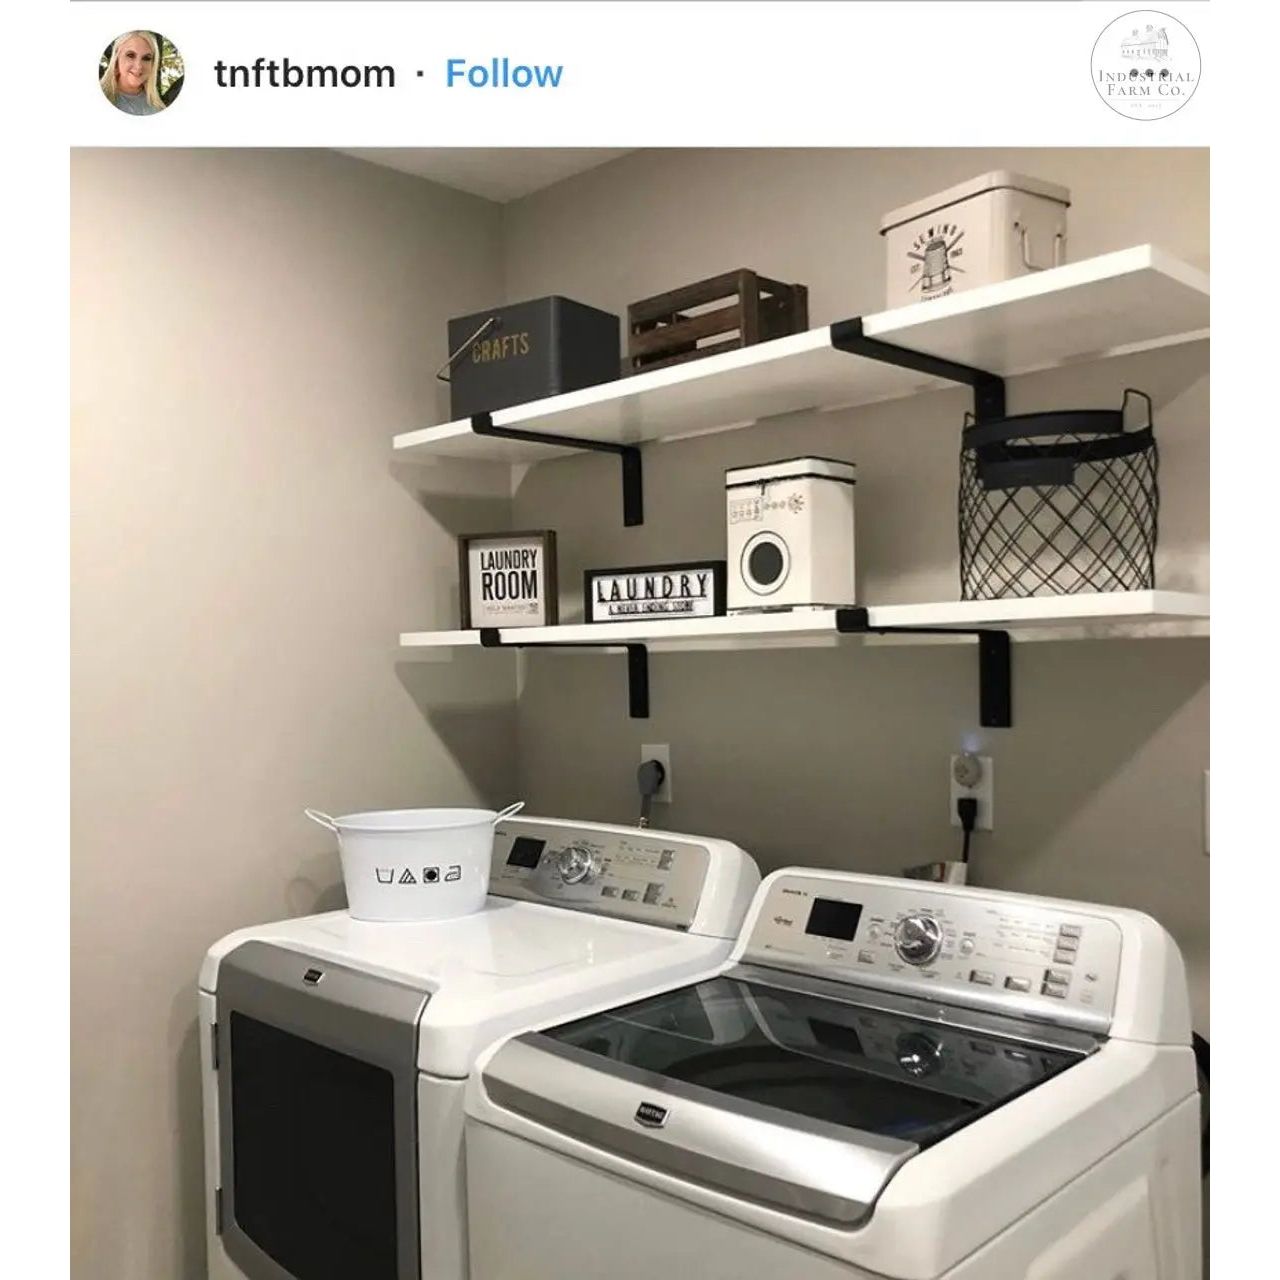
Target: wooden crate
x=669, y=328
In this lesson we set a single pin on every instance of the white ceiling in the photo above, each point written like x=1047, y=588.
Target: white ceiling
x=497, y=173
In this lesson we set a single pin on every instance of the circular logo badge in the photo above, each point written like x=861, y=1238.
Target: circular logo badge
x=1146, y=65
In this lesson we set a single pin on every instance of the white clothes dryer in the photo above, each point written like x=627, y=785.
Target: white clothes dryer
x=336, y=1051
x=924, y=1081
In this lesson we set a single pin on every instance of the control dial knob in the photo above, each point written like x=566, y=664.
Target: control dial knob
x=578, y=864
x=917, y=938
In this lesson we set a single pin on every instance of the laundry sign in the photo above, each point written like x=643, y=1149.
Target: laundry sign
x=668, y=591
x=508, y=579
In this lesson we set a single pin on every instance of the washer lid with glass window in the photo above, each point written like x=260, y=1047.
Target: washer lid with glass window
x=797, y=1092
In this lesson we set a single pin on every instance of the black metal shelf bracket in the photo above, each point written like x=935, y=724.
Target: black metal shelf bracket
x=638, y=681
x=632, y=467
x=637, y=664
x=988, y=388
x=995, y=685
x=995, y=661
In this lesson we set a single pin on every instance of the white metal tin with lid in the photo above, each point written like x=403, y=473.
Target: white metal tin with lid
x=790, y=534
x=994, y=227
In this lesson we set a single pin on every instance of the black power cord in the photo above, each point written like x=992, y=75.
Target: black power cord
x=967, y=812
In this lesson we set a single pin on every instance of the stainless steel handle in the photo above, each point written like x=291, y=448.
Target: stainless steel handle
x=442, y=373
x=1059, y=250
x=805, y=1167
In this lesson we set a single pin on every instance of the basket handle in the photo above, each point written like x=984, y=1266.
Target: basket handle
x=442, y=373
x=322, y=818
x=1142, y=395
x=509, y=812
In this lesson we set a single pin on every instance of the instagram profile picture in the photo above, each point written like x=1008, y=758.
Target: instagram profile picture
x=141, y=73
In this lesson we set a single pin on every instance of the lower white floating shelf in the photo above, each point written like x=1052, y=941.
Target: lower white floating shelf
x=1080, y=616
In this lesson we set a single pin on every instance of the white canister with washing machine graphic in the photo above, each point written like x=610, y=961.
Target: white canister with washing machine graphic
x=790, y=533
x=994, y=227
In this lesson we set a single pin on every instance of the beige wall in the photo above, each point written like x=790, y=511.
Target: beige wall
x=840, y=758
x=249, y=330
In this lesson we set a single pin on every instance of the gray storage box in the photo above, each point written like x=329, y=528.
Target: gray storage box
x=529, y=350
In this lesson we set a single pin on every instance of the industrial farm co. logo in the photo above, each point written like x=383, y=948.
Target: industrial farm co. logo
x=1146, y=65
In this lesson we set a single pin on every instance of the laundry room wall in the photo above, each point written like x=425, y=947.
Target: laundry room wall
x=840, y=758
x=249, y=329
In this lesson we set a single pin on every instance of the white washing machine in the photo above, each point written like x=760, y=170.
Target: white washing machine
x=336, y=1051
x=925, y=1081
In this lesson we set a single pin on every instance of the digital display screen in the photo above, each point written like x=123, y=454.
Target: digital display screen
x=525, y=852
x=831, y=919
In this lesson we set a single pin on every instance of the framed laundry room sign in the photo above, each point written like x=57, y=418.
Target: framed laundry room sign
x=508, y=579
x=695, y=589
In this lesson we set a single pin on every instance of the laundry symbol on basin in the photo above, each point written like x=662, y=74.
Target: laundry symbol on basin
x=430, y=875
x=406, y=877
x=386, y=875
x=454, y=873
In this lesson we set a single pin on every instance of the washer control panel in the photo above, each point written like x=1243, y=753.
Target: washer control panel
x=634, y=873
x=997, y=951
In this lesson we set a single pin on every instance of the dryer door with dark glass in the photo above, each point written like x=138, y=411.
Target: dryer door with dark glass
x=317, y=1115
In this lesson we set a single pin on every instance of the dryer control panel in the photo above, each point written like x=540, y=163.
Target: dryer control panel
x=631, y=872
x=1001, y=952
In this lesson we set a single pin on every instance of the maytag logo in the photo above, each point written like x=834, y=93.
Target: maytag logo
x=1146, y=65
x=651, y=1115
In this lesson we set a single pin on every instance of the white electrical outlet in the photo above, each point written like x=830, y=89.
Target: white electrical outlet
x=982, y=790
x=662, y=754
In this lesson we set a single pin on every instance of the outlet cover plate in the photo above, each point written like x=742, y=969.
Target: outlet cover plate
x=661, y=753
x=984, y=793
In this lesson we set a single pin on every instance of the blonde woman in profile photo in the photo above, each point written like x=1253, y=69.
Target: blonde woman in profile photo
x=131, y=79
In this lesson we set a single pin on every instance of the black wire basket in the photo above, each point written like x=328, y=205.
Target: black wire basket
x=1058, y=503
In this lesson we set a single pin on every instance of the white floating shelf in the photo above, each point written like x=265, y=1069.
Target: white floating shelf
x=1124, y=301
x=1081, y=615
